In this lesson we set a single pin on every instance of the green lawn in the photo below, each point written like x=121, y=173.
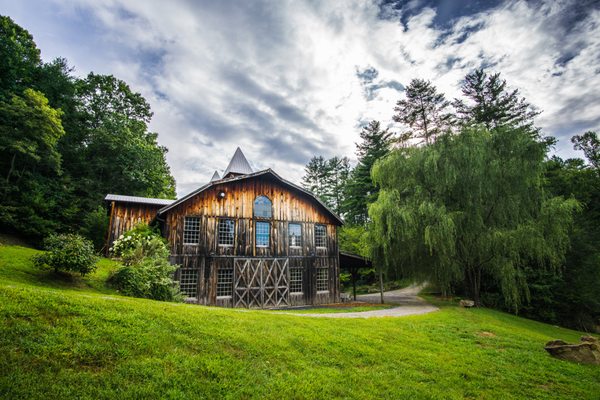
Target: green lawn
x=334, y=309
x=88, y=342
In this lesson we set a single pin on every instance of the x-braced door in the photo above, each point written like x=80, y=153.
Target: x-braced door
x=261, y=282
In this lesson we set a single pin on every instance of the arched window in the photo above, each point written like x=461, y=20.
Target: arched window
x=262, y=207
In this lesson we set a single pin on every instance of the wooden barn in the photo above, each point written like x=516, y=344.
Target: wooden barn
x=248, y=239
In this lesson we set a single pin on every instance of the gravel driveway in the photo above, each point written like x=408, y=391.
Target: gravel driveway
x=407, y=300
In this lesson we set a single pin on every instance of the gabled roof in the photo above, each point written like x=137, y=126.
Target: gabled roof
x=139, y=200
x=215, y=177
x=265, y=172
x=238, y=164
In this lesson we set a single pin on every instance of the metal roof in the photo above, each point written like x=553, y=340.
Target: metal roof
x=215, y=177
x=136, y=199
x=238, y=164
x=247, y=176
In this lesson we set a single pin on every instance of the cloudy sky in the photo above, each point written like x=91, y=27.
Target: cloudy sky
x=286, y=80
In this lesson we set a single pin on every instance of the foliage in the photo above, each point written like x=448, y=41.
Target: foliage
x=19, y=58
x=66, y=142
x=574, y=300
x=470, y=206
x=424, y=111
x=69, y=253
x=360, y=189
x=490, y=103
x=354, y=239
x=82, y=343
x=590, y=145
x=326, y=179
x=95, y=226
x=147, y=271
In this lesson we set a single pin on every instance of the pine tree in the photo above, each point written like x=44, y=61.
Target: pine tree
x=327, y=179
x=313, y=179
x=360, y=190
x=492, y=104
x=338, y=171
x=423, y=111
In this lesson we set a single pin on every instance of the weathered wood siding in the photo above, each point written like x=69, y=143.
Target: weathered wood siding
x=288, y=206
x=124, y=216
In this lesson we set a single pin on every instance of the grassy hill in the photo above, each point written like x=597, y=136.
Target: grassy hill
x=63, y=338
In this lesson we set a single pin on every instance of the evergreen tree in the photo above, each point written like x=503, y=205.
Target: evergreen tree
x=491, y=103
x=360, y=189
x=423, y=111
x=327, y=179
x=338, y=171
x=471, y=206
x=314, y=177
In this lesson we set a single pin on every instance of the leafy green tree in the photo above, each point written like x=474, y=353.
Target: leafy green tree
x=360, y=189
x=574, y=299
x=29, y=132
x=492, y=104
x=424, y=111
x=590, y=145
x=116, y=153
x=30, y=164
x=468, y=206
x=19, y=58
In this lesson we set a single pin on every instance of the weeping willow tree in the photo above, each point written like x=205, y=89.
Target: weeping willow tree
x=467, y=206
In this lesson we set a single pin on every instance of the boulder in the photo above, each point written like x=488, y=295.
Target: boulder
x=585, y=352
x=467, y=303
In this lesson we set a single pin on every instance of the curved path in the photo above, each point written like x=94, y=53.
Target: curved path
x=407, y=300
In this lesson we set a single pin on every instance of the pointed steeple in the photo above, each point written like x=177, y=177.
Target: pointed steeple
x=215, y=177
x=238, y=165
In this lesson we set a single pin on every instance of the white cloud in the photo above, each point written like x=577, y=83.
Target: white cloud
x=279, y=78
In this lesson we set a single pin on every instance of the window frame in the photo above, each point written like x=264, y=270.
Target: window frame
x=319, y=280
x=324, y=236
x=256, y=224
x=296, y=281
x=191, y=276
x=289, y=236
x=219, y=220
x=196, y=232
x=254, y=215
x=227, y=285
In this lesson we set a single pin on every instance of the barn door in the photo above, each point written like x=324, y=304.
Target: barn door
x=261, y=282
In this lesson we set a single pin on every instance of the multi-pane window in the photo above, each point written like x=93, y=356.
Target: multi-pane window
x=262, y=207
x=191, y=230
x=226, y=232
x=322, y=279
x=263, y=230
x=296, y=280
x=188, y=281
x=320, y=236
x=295, y=235
x=224, y=282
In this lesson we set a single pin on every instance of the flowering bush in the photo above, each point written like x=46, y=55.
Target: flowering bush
x=146, y=271
x=67, y=252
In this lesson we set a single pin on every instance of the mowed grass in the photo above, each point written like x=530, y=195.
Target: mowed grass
x=88, y=342
x=331, y=309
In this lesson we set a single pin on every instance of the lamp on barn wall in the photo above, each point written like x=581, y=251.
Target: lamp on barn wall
x=221, y=194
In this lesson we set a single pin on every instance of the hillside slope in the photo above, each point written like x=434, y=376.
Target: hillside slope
x=89, y=342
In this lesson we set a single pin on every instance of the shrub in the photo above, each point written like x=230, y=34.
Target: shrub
x=94, y=227
x=67, y=252
x=146, y=272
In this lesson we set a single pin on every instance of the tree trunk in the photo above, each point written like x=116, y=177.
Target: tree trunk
x=381, y=283
x=353, y=274
x=473, y=284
